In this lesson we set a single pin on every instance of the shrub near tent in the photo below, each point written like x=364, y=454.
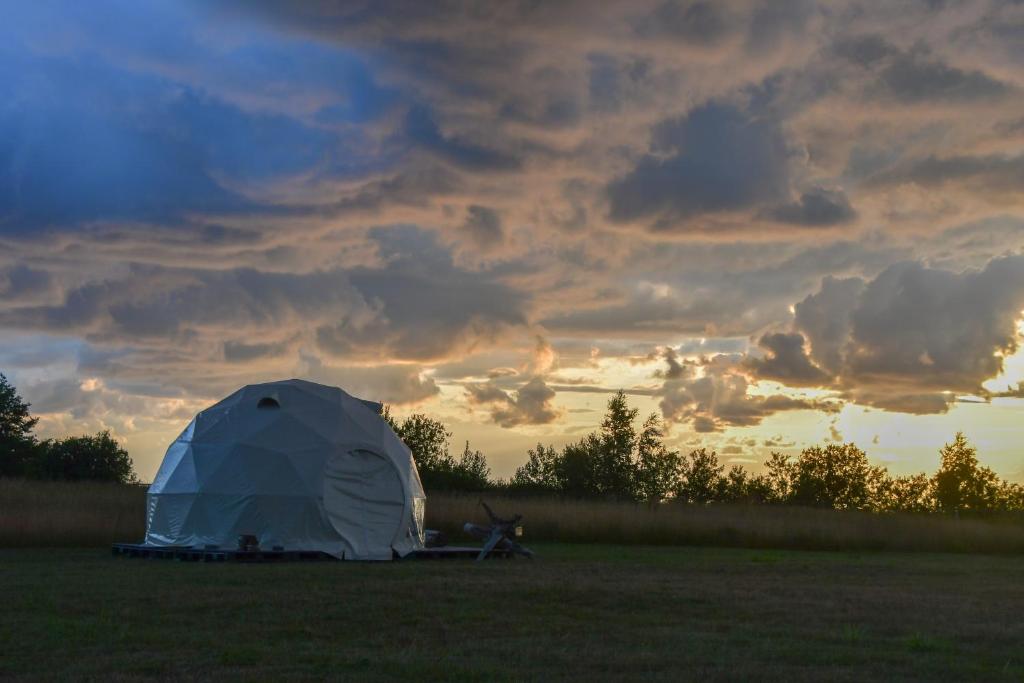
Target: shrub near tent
x=74, y=458
x=80, y=458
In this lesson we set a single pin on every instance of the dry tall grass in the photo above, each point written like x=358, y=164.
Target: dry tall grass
x=731, y=525
x=87, y=514
x=43, y=513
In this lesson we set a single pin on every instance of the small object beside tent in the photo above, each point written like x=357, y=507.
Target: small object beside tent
x=299, y=466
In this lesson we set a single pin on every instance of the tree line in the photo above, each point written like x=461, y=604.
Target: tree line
x=615, y=462
x=98, y=457
x=620, y=462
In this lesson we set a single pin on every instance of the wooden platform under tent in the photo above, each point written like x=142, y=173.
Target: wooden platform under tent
x=193, y=554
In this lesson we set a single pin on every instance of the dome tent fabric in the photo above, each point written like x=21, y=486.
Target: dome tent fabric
x=298, y=465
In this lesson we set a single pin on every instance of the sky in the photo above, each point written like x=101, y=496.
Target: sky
x=773, y=224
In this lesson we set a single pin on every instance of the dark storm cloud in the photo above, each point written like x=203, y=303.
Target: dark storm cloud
x=530, y=404
x=418, y=304
x=556, y=101
x=973, y=243
x=21, y=282
x=915, y=75
x=1012, y=127
x=992, y=172
x=483, y=226
x=614, y=81
x=787, y=361
x=823, y=317
x=169, y=303
x=711, y=295
x=699, y=23
x=428, y=307
x=675, y=369
x=422, y=129
x=941, y=328
x=815, y=208
x=716, y=158
x=241, y=352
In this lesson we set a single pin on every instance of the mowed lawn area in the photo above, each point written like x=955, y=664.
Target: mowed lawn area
x=580, y=612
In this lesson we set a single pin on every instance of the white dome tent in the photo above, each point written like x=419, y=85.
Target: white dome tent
x=300, y=466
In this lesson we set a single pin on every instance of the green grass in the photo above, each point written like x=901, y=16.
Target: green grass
x=608, y=607
x=580, y=612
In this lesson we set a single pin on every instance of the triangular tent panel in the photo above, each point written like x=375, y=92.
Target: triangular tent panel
x=362, y=496
x=301, y=466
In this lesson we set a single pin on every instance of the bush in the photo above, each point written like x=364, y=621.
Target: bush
x=83, y=458
x=75, y=458
x=17, y=444
x=427, y=439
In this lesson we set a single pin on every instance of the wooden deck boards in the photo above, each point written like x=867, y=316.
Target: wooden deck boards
x=190, y=554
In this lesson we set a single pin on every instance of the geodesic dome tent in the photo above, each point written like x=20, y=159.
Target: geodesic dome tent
x=298, y=465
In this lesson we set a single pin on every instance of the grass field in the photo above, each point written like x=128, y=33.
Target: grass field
x=663, y=607
x=581, y=612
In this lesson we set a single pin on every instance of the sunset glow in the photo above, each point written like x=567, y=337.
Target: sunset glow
x=773, y=224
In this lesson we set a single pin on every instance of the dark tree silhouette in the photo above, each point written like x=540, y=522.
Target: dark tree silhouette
x=911, y=493
x=657, y=467
x=474, y=470
x=614, y=466
x=778, y=478
x=961, y=484
x=700, y=480
x=836, y=476
x=17, y=444
x=735, y=485
x=578, y=472
x=539, y=474
x=81, y=458
x=428, y=439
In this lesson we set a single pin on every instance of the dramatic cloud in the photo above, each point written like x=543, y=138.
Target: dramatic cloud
x=429, y=308
x=716, y=158
x=528, y=405
x=988, y=174
x=816, y=207
x=699, y=23
x=824, y=318
x=787, y=361
x=491, y=210
x=393, y=384
x=20, y=283
x=910, y=340
x=424, y=131
x=714, y=394
x=483, y=226
x=944, y=330
x=914, y=76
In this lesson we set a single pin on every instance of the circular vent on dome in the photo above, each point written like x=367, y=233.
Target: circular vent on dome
x=268, y=403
